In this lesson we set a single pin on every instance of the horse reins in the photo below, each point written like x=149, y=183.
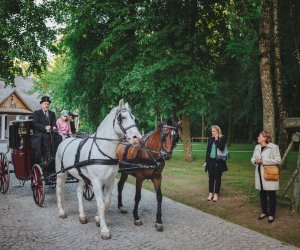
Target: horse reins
x=110, y=161
x=163, y=135
x=119, y=121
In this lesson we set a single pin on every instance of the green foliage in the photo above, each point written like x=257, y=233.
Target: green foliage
x=24, y=37
x=289, y=39
x=237, y=92
x=166, y=58
x=147, y=52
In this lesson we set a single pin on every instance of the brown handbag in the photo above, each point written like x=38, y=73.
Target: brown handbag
x=271, y=173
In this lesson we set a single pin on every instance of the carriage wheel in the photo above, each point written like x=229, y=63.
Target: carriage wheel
x=88, y=192
x=37, y=185
x=4, y=173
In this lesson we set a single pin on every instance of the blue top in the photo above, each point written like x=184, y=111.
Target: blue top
x=213, y=152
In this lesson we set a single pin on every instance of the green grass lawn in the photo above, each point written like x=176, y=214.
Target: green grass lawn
x=239, y=201
x=241, y=171
x=240, y=174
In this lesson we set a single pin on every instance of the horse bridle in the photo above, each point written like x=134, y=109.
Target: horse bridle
x=164, y=153
x=119, y=118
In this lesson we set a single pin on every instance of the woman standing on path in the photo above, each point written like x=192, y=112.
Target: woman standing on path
x=215, y=167
x=266, y=153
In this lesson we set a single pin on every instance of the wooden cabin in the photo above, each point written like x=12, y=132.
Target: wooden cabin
x=16, y=103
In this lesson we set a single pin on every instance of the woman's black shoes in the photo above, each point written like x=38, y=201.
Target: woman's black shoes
x=262, y=216
x=270, y=219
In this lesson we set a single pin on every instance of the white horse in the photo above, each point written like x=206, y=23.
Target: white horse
x=96, y=159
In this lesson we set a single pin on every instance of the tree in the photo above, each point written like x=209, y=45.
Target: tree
x=295, y=36
x=179, y=47
x=282, y=134
x=146, y=51
x=289, y=44
x=175, y=58
x=24, y=37
x=237, y=100
x=265, y=69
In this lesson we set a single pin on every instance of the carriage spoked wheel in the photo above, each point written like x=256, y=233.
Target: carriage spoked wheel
x=4, y=173
x=88, y=192
x=37, y=185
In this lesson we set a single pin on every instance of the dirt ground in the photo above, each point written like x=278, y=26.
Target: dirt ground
x=237, y=209
x=233, y=205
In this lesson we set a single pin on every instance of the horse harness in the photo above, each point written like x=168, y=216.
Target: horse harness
x=163, y=135
x=119, y=120
x=142, y=162
x=110, y=161
x=138, y=162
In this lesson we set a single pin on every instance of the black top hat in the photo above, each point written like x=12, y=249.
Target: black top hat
x=45, y=99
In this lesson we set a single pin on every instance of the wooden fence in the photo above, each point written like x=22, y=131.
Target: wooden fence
x=194, y=139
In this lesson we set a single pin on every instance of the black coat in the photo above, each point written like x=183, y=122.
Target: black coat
x=73, y=129
x=40, y=121
x=220, y=144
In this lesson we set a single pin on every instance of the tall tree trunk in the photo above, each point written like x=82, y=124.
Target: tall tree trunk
x=282, y=135
x=203, y=128
x=229, y=131
x=250, y=133
x=295, y=38
x=186, y=139
x=265, y=69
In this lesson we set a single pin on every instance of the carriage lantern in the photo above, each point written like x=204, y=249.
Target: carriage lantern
x=22, y=131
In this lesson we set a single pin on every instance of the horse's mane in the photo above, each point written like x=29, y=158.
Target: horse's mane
x=107, y=117
x=169, y=122
x=111, y=115
x=145, y=137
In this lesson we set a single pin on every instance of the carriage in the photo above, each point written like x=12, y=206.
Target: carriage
x=93, y=162
x=25, y=168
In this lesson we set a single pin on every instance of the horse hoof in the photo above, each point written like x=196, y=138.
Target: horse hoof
x=138, y=222
x=105, y=236
x=159, y=227
x=83, y=220
x=97, y=220
x=62, y=216
x=123, y=210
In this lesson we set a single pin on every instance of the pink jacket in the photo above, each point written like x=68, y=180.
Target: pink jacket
x=63, y=127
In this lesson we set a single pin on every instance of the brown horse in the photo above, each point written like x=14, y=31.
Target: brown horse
x=147, y=161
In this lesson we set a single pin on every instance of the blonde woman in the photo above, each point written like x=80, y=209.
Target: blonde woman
x=214, y=166
x=266, y=153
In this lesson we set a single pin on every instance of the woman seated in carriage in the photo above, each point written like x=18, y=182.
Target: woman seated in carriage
x=63, y=125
